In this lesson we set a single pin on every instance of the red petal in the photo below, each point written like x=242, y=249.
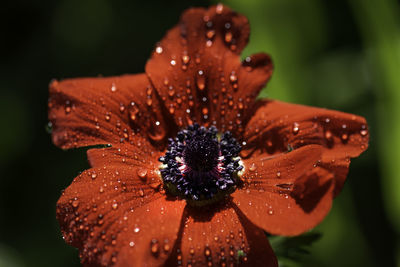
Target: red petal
x=216, y=236
x=92, y=111
x=277, y=127
x=112, y=216
x=196, y=69
x=288, y=193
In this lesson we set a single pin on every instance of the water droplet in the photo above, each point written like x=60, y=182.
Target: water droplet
x=328, y=135
x=67, y=109
x=136, y=229
x=210, y=34
x=154, y=246
x=228, y=37
x=173, y=62
x=49, y=127
x=207, y=252
x=185, y=59
x=364, y=132
x=113, y=87
x=107, y=116
x=166, y=247
x=114, y=206
x=253, y=167
x=200, y=81
x=141, y=192
x=159, y=49
x=295, y=129
x=75, y=203
x=94, y=175
x=278, y=174
x=270, y=212
x=131, y=244
x=219, y=8
x=142, y=173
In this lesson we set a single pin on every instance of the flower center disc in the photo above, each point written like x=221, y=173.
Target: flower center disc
x=201, y=165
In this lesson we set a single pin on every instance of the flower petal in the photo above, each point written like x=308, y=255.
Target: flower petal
x=220, y=236
x=113, y=213
x=93, y=111
x=197, y=72
x=288, y=193
x=277, y=127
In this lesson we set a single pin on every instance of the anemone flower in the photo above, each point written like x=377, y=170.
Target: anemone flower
x=188, y=167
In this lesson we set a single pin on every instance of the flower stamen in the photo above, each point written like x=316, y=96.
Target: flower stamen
x=201, y=165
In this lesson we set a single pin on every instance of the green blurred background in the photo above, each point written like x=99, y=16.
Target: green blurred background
x=339, y=54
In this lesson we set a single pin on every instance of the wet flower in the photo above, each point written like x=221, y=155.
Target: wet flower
x=191, y=167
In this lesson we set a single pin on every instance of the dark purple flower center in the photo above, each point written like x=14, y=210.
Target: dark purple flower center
x=200, y=164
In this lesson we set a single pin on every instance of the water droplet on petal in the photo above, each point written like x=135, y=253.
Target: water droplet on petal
x=207, y=252
x=142, y=173
x=328, y=135
x=75, y=203
x=113, y=87
x=159, y=49
x=295, y=129
x=364, y=132
x=154, y=246
x=228, y=37
x=253, y=167
x=200, y=81
x=219, y=8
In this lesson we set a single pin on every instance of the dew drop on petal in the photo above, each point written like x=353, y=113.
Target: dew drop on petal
x=75, y=203
x=253, y=167
x=159, y=49
x=328, y=135
x=113, y=87
x=142, y=173
x=295, y=128
x=364, y=132
x=154, y=247
x=200, y=81
x=207, y=252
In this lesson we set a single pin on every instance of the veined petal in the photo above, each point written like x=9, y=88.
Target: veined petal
x=288, y=193
x=197, y=72
x=93, y=111
x=113, y=217
x=278, y=127
x=220, y=236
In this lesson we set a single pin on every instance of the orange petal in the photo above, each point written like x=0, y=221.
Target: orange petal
x=277, y=127
x=220, y=236
x=113, y=217
x=93, y=111
x=288, y=193
x=197, y=72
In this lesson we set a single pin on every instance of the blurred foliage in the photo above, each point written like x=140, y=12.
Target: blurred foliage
x=340, y=54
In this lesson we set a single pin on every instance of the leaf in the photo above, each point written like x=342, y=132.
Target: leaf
x=293, y=247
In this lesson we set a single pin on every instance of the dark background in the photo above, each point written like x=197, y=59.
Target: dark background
x=340, y=54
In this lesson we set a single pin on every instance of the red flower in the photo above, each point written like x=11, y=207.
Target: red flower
x=205, y=204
